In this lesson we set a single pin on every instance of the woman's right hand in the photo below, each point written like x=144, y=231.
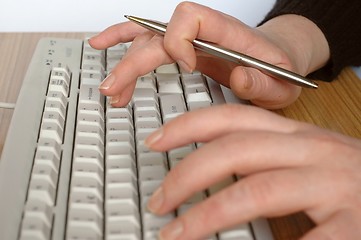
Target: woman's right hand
x=291, y=42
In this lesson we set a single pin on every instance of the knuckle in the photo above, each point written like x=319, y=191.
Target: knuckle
x=185, y=7
x=259, y=191
x=344, y=163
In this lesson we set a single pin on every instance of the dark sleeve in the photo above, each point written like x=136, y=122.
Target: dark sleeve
x=339, y=20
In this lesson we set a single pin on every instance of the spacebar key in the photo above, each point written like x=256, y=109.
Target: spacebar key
x=172, y=106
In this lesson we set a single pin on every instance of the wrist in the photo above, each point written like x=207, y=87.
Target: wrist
x=301, y=39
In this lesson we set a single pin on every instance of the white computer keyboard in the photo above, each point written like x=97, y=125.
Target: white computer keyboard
x=73, y=167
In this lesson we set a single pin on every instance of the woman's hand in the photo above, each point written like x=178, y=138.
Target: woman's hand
x=286, y=167
x=291, y=42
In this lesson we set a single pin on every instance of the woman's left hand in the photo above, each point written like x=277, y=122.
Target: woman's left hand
x=286, y=167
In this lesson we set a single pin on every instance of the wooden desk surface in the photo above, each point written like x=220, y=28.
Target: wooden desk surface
x=335, y=106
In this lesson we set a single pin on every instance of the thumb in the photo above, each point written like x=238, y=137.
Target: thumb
x=262, y=90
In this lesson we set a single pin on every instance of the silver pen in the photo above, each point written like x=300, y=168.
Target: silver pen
x=232, y=56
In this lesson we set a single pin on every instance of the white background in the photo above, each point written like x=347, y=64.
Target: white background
x=95, y=15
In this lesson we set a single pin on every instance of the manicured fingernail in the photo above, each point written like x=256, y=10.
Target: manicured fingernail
x=156, y=201
x=154, y=137
x=113, y=100
x=184, y=66
x=171, y=231
x=107, y=82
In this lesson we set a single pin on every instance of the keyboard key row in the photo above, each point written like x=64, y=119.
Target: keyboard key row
x=38, y=214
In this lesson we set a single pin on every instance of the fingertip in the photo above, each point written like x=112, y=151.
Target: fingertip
x=152, y=140
x=156, y=201
x=243, y=83
x=184, y=66
x=107, y=82
x=91, y=42
x=262, y=90
x=94, y=42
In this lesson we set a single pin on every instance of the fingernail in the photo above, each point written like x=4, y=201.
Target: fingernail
x=171, y=231
x=184, y=66
x=107, y=82
x=91, y=37
x=249, y=81
x=154, y=137
x=113, y=100
x=156, y=200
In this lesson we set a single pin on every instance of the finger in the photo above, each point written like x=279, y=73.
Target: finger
x=221, y=158
x=140, y=60
x=118, y=33
x=261, y=89
x=209, y=123
x=122, y=99
x=190, y=21
x=252, y=197
x=342, y=225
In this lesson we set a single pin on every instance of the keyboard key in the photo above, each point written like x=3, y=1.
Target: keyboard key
x=58, y=85
x=147, y=82
x=114, y=136
x=60, y=74
x=79, y=196
x=49, y=145
x=51, y=130
x=62, y=68
x=178, y=154
x=60, y=102
x=89, y=95
x=120, y=192
x=194, y=83
x=172, y=106
x=86, y=194
x=146, y=109
x=46, y=157
x=122, y=207
x=116, y=124
x=240, y=232
x=89, y=151
x=86, y=212
x=55, y=116
x=167, y=68
x=127, y=228
x=42, y=191
x=88, y=179
x=84, y=230
x=169, y=83
x=92, y=78
x=149, y=173
x=144, y=94
x=44, y=172
x=88, y=165
x=34, y=227
x=90, y=138
x=121, y=161
x=198, y=100
x=120, y=148
x=40, y=210
x=151, y=159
